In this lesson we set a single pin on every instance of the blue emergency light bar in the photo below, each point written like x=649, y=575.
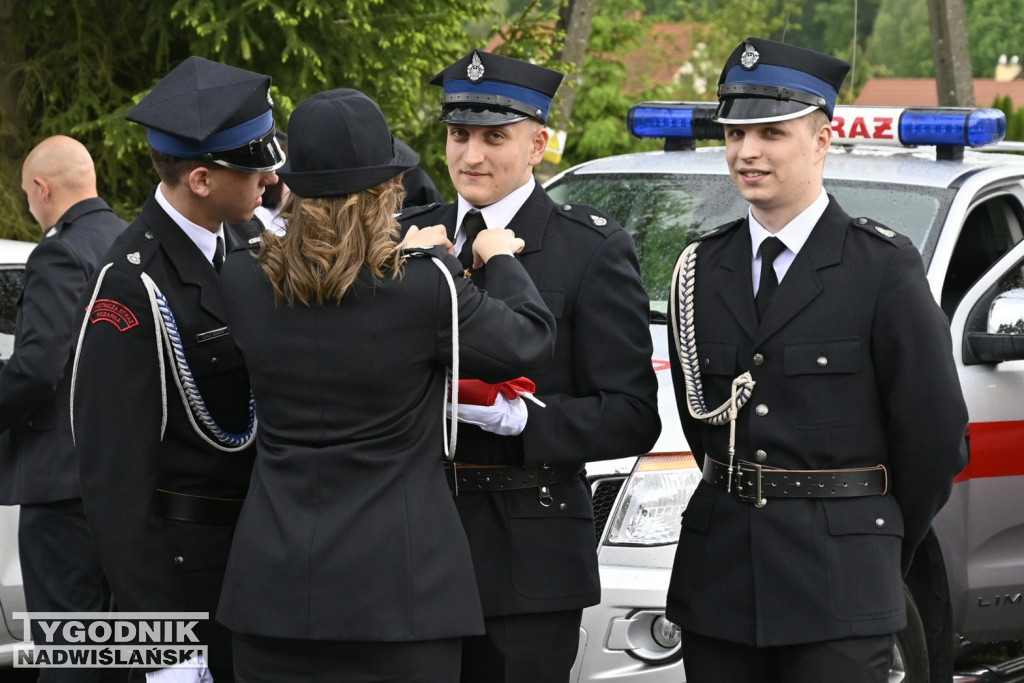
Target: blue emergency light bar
x=685, y=122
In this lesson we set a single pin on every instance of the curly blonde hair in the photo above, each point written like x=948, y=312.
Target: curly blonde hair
x=330, y=239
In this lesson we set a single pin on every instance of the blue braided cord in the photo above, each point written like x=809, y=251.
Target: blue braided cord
x=192, y=395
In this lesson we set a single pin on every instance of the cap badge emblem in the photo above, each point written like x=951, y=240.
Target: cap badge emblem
x=134, y=258
x=599, y=220
x=750, y=57
x=475, y=70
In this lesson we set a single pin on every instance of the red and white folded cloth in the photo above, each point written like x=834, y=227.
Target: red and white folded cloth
x=494, y=407
x=478, y=393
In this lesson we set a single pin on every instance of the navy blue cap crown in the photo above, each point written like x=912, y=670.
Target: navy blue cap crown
x=207, y=110
x=765, y=81
x=486, y=89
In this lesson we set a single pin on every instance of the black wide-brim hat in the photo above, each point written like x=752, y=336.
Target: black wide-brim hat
x=339, y=143
x=765, y=81
x=406, y=154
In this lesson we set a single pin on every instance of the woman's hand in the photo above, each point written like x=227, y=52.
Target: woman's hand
x=491, y=242
x=432, y=236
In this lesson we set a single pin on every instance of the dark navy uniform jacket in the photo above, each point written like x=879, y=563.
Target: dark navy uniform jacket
x=853, y=368
x=349, y=531
x=121, y=400
x=601, y=397
x=37, y=458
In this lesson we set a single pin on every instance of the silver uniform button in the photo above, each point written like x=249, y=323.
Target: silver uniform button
x=178, y=559
x=822, y=361
x=760, y=456
x=758, y=359
x=879, y=522
x=761, y=409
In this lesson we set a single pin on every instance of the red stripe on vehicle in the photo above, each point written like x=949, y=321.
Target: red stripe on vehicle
x=996, y=450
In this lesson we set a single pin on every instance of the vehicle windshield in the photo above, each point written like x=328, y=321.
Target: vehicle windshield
x=663, y=212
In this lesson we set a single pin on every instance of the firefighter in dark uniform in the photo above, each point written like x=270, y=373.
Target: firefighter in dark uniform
x=161, y=407
x=817, y=390
x=522, y=492
x=60, y=569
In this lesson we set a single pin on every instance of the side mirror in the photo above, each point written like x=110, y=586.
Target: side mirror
x=1003, y=338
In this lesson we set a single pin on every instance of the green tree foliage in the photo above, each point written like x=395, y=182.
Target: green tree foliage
x=1014, y=116
x=900, y=43
x=722, y=24
x=604, y=98
x=993, y=29
x=76, y=66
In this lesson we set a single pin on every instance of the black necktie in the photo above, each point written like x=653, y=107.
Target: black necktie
x=218, y=254
x=472, y=224
x=769, y=282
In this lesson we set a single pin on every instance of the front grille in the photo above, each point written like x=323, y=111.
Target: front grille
x=605, y=491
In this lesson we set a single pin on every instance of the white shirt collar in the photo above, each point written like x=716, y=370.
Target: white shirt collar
x=200, y=236
x=500, y=213
x=795, y=233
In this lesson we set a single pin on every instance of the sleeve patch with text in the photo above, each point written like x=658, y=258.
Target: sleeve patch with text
x=113, y=312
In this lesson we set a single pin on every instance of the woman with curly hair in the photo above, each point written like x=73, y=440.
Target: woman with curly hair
x=349, y=562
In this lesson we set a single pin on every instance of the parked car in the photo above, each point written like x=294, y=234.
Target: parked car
x=13, y=255
x=964, y=209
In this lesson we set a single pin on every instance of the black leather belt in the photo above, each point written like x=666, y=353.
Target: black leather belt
x=183, y=507
x=469, y=477
x=755, y=483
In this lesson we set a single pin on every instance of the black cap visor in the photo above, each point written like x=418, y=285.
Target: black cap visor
x=480, y=109
x=258, y=156
x=743, y=110
x=477, y=116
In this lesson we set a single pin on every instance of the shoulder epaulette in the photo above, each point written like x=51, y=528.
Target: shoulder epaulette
x=252, y=244
x=719, y=231
x=590, y=217
x=413, y=211
x=880, y=231
x=135, y=252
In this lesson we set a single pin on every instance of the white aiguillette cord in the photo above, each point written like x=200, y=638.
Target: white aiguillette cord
x=684, y=338
x=452, y=376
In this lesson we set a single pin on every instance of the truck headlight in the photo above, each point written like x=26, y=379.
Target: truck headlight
x=655, y=495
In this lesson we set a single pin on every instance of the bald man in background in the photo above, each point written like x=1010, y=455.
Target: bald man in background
x=38, y=468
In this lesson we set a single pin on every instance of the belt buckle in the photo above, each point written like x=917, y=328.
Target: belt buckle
x=757, y=498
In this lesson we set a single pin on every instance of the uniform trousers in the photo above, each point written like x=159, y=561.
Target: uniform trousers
x=523, y=648
x=61, y=572
x=259, y=659
x=848, y=660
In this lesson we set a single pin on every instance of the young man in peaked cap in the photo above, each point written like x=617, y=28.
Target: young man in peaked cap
x=161, y=407
x=519, y=481
x=850, y=425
